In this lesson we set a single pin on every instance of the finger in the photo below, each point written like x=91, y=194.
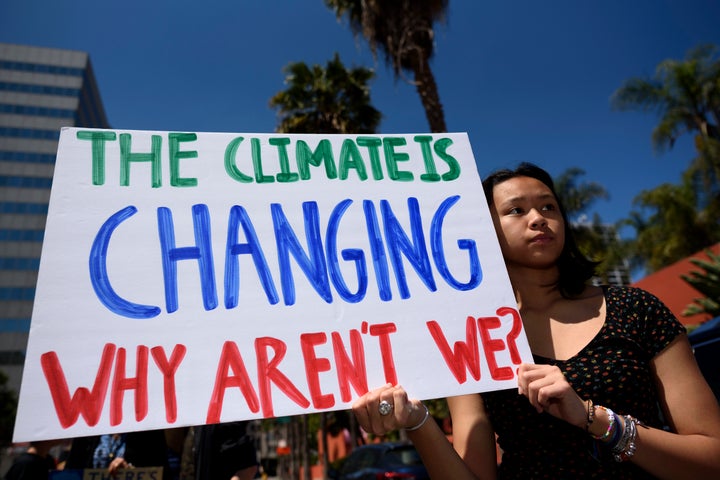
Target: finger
x=369, y=410
x=536, y=392
x=526, y=375
x=385, y=411
x=366, y=407
x=551, y=391
x=402, y=406
x=360, y=411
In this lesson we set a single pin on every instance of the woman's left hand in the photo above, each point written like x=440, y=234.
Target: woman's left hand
x=548, y=390
x=401, y=412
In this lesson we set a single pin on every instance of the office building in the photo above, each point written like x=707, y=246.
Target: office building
x=41, y=90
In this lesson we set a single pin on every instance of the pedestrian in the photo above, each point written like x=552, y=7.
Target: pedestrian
x=614, y=392
x=35, y=463
x=337, y=440
x=146, y=448
x=224, y=451
x=82, y=452
x=110, y=447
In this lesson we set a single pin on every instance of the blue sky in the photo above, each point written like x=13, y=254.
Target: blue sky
x=528, y=80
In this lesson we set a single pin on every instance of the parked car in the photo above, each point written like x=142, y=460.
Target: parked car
x=705, y=341
x=382, y=461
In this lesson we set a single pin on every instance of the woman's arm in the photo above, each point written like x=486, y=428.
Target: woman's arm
x=687, y=401
x=473, y=435
x=438, y=455
x=691, y=410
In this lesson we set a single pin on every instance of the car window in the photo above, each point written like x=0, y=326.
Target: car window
x=403, y=456
x=358, y=460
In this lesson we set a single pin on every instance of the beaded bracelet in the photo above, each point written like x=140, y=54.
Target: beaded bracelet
x=422, y=422
x=611, y=424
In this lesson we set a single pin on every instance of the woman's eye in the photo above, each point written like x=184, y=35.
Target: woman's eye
x=515, y=211
x=549, y=207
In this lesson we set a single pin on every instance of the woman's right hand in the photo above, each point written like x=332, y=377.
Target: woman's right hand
x=548, y=390
x=403, y=412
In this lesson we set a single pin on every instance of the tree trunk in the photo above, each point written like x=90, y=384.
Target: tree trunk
x=324, y=442
x=430, y=98
x=305, y=457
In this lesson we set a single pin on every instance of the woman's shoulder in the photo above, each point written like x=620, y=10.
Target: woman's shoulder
x=641, y=311
x=629, y=294
x=627, y=300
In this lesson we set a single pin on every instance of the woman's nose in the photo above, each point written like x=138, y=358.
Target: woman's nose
x=537, y=220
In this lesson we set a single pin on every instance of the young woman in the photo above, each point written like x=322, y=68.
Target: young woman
x=614, y=391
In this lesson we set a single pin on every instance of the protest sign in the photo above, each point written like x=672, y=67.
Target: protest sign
x=136, y=473
x=191, y=278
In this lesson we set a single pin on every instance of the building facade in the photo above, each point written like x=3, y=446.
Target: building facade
x=677, y=294
x=41, y=91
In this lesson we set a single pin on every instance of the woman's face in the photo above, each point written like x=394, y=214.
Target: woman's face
x=528, y=222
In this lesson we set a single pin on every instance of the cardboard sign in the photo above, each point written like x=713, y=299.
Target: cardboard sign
x=136, y=473
x=192, y=278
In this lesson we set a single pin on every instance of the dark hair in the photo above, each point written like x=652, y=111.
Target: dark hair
x=574, y=267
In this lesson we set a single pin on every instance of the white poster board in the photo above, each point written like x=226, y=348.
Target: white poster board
x=192, y=278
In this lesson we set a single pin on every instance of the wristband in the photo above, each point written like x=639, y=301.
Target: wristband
x=611, y=424
x=590, y=414
x=422, y=422
x=625, y=449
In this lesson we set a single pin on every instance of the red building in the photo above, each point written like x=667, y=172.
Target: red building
x=668, y=285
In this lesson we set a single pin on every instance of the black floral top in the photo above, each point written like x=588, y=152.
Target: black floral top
x=614, y=371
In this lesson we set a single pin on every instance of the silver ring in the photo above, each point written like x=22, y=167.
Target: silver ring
x=385, y=408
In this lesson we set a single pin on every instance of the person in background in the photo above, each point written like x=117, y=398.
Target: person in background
x=82, y=450
x=109, y=447
x=337, y=438
x=614, y=393
x=33, y=464
x=224, y=451
x=146, y=448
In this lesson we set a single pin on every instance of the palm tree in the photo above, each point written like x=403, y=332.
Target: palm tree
x=685, y=93
x=577, y=197
x=707, y=282
x=403, y=31
x=704, y=173
x=669, y=225
x=598, y=240
x=677, y=220
x=330, y=99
